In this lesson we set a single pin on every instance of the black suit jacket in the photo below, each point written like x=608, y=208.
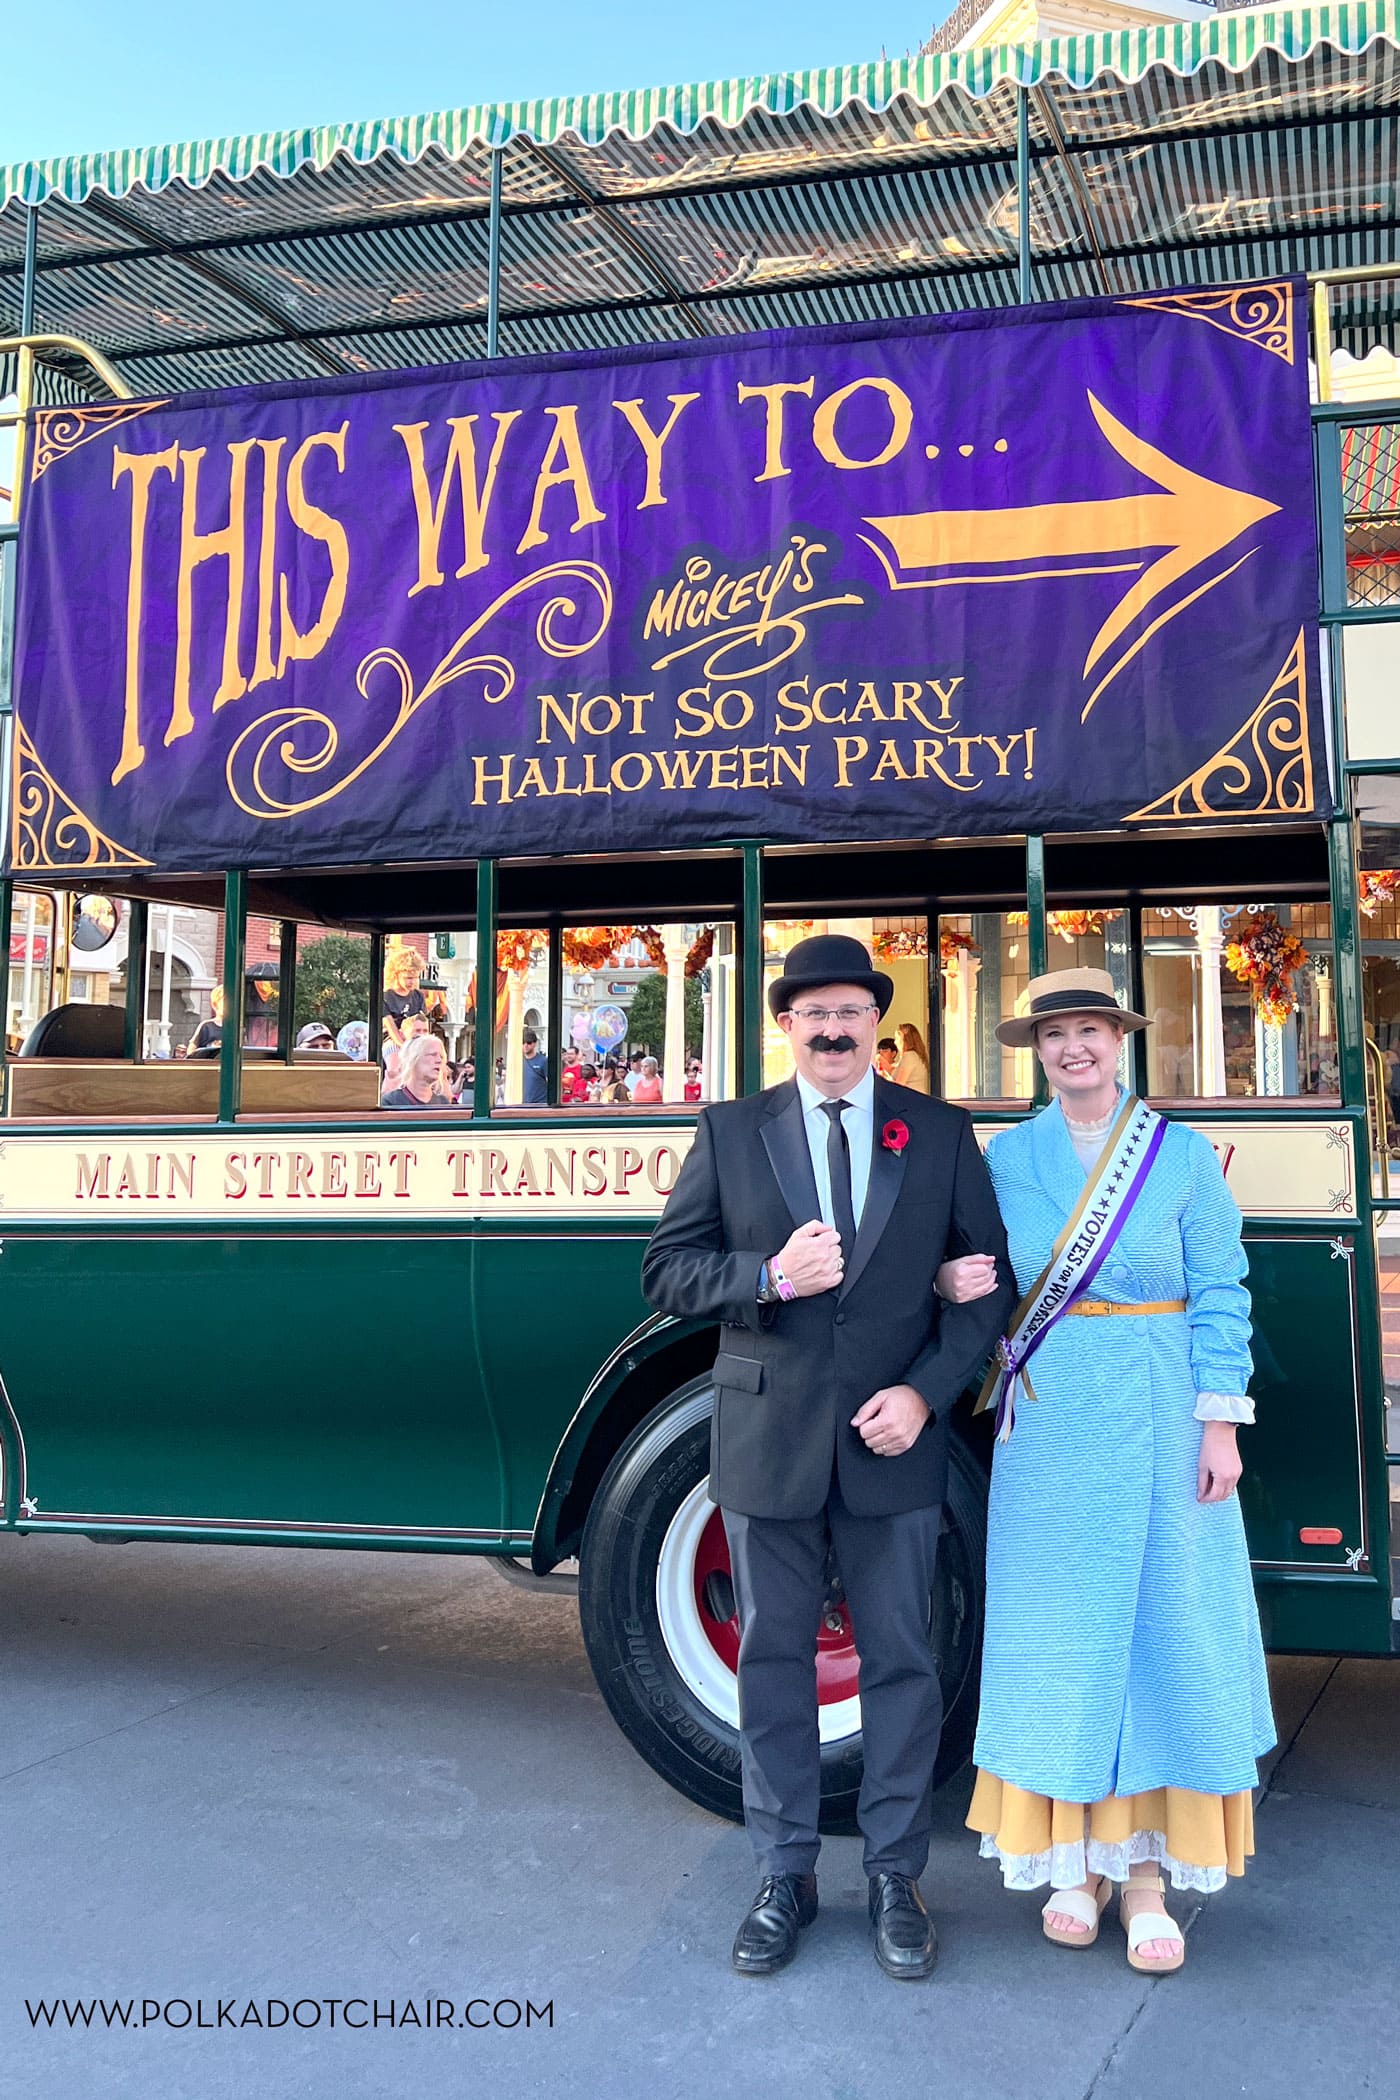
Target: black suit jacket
x=789, y=1377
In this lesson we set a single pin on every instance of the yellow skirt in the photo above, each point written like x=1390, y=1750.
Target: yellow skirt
x=1196, y=1838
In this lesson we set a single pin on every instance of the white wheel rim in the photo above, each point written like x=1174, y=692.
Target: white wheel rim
x=701, y=1669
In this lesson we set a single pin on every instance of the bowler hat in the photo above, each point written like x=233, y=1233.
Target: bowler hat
x=828, y=958
x=1061, y=992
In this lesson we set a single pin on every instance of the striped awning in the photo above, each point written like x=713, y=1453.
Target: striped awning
x=1200, y=152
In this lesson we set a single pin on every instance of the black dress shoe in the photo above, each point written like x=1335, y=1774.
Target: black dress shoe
x=767, y=1939
x=906, y=1945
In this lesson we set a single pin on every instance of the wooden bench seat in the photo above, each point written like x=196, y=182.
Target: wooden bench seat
x=103, y=1091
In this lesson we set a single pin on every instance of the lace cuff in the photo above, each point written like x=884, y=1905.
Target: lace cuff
x=1224, y=1407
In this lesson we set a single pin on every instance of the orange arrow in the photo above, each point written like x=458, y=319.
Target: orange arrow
x=1190, y=516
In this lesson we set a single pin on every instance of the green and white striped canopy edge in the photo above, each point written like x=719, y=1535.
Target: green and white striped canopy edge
x=1233, y=41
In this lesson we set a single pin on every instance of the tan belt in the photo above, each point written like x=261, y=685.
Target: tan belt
x=1096, y=1308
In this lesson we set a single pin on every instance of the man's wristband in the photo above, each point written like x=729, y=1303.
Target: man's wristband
x=779, y=1282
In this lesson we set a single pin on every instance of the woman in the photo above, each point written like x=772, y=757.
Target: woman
x=421, y=1076
x=647, y=1091
x=613, y=1091
x=912, y=1068
x=1124, y=1697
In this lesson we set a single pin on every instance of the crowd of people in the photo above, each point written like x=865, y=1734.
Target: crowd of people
x=610, y=1082
x=418, y=1071
x=416, y=1076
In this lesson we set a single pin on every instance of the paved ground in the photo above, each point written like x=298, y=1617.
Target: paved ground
x=277, y=1774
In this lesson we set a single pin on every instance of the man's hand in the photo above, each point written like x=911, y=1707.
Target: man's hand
x=811, y=1259
x=891, y=1420
x=1219, y=1467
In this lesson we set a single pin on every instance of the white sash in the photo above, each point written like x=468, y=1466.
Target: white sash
x=1082, y=1246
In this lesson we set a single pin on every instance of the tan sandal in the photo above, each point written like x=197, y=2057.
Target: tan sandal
x=1148, y=1925
x=1077, y=1903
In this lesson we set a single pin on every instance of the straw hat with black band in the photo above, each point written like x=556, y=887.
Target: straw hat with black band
x=1060, y=993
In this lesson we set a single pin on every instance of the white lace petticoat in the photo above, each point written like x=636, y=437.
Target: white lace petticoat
x=1068, y=1866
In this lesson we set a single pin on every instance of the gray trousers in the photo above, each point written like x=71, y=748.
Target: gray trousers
x=780, y=1569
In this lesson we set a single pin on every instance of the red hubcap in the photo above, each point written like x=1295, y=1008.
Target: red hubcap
x=838, y=1664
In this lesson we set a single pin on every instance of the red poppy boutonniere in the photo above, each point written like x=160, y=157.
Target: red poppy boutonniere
x=895, y=1135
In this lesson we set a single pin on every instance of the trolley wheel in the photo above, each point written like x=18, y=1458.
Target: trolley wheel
x=659, y=1623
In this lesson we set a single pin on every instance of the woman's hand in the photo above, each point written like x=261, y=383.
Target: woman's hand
x=970, y=1276
x=1218, y=1469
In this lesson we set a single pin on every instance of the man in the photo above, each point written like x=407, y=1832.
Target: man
x=634, y=1072
x=536, y=1071
x=811, y=1219
x=886, y=1056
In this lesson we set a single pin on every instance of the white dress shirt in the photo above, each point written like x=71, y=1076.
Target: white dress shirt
x=858, y=1122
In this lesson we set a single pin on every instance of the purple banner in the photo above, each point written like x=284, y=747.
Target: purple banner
x=1051, y=569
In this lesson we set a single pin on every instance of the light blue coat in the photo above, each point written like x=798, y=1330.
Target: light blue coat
x=1122, y=1645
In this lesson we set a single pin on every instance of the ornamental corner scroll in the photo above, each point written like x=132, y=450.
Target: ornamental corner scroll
x=305, y=742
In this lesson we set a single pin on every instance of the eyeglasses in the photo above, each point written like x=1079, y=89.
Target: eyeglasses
x=816, y=1015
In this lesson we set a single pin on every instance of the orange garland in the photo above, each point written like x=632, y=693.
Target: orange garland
x=516, y=950
x=589, y=948
x=697, y=955
x=905, y=943
x=951, y=945
x=1070, y=925
x=1375, y=887
x=1267, y=957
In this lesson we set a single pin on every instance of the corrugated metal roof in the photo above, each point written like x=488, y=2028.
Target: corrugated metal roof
x=1200, y=152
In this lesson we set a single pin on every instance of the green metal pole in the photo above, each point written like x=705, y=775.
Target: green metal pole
x=554, y=1012
x=1137, y=1041
x=934, y=975
x=8, y=549
x=235, y=954
x=493, y=259
x=1037, y=941
x=287, y=991
x=31, y=270
x=1023, y=197
x=376, y=996
x=138, y=926
x=484, y=1092
x=1331, y=519
x=1346, y=967
x=751, y=972
x=1036, y=933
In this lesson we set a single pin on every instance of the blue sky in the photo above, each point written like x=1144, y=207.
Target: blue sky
x=80, y=76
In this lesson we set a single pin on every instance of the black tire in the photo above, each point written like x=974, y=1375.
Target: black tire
x=691, y=1746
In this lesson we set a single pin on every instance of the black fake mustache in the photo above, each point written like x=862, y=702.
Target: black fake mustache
x=831, y=1042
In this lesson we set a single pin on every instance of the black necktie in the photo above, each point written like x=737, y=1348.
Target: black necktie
x=838, y=1166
